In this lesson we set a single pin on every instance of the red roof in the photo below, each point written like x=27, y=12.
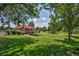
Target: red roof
x=19, y=26
x=23, y=26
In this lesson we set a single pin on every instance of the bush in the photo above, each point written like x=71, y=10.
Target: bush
x=13, y=32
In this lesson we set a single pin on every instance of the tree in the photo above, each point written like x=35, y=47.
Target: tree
x=2, y=8
x=18, y=13
x=69, y=15
x=54, y=25
x=44, y=29
x=32, y=24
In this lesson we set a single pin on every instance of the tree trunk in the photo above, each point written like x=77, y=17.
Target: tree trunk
x=69, y=34
x=2, y=25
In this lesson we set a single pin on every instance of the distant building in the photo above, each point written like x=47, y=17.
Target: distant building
x=26, y=29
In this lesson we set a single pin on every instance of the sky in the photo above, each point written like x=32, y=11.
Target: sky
x=43, y=19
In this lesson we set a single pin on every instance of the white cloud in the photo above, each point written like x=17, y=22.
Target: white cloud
x=44, y=23
x=43, y=18
x=35, y=19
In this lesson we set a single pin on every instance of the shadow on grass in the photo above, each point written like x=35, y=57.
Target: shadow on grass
x=51, y=50
x=76, y=37
x=68, y=48
x=15, y=46
x=10, y=46
x=74, y=43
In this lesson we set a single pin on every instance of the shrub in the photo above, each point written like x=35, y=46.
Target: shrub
x=13, y=32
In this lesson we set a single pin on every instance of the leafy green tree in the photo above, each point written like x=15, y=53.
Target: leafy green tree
x=44, y=29
x=32, y=24
x=69, y=15
x=54, y=25
x=18, y=13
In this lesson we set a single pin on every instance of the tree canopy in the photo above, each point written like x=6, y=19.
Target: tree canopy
x=67, y=14
x=17, y=13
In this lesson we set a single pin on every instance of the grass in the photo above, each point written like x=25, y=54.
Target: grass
x=45, y=44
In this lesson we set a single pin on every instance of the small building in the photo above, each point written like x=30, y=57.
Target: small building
x=26, y=29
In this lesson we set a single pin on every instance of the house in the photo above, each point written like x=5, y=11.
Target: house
x=26, y=29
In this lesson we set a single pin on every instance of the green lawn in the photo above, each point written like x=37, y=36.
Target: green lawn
x=45, y=44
